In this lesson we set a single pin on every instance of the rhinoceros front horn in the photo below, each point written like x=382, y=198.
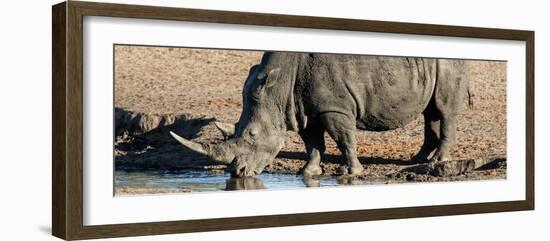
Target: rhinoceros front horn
x=220, y=153
x=190, y=144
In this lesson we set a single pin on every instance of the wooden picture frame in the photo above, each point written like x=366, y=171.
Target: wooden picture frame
x=67, y=156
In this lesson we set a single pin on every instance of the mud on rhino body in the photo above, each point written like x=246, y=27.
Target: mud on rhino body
x=338, y=94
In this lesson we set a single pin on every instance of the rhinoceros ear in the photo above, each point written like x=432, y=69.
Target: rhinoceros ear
x=253, y=68
x=272, y=77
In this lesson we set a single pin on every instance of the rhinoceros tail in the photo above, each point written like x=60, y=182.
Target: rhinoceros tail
x=470, y=98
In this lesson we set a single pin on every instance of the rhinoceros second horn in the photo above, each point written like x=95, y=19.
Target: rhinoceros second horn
x=225, y=128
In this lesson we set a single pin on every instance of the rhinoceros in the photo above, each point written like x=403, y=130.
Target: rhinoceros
x=314, y=93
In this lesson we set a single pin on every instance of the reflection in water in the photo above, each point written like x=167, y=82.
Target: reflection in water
x=349, y=180
x=243, y=183
x=312, y=181
x=341, y=180
x=201, y=181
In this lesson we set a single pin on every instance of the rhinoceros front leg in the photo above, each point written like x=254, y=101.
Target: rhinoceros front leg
x=314, y=141
x=342, y=129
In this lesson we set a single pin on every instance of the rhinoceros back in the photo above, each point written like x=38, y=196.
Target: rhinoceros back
x=383, y=93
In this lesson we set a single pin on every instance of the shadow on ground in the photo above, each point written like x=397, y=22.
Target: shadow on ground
x=337, y=159
x=143, y=142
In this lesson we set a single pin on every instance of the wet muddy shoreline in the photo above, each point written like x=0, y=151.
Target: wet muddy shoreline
x=187, y=181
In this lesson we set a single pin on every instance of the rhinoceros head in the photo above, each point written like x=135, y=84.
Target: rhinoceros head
x=255, y=140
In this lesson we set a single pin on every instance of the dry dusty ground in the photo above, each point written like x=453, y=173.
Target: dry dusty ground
x=161, y=89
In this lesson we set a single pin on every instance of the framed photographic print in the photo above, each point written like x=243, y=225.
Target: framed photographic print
x=171, y=120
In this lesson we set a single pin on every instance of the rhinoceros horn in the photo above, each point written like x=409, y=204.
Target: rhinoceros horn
x=226, y=129
x=220, y=153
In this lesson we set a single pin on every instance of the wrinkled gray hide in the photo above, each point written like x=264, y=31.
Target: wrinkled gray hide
x=338, y=94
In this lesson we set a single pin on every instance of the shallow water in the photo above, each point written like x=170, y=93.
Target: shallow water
x=200, y=181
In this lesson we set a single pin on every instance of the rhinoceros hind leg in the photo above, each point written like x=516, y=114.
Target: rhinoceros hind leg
x=448, y=139
x=449, y=95
x=439, y=138
x=342, y=129
x=314, y=141
x=432, y=121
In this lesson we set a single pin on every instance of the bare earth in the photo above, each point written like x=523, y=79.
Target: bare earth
x=184, y=90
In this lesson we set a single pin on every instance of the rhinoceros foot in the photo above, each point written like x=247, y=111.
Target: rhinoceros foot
x=439, y=157
x=353, y=170
x=312, y=170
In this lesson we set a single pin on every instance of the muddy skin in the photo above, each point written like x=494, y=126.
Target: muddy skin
x=339, y=94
